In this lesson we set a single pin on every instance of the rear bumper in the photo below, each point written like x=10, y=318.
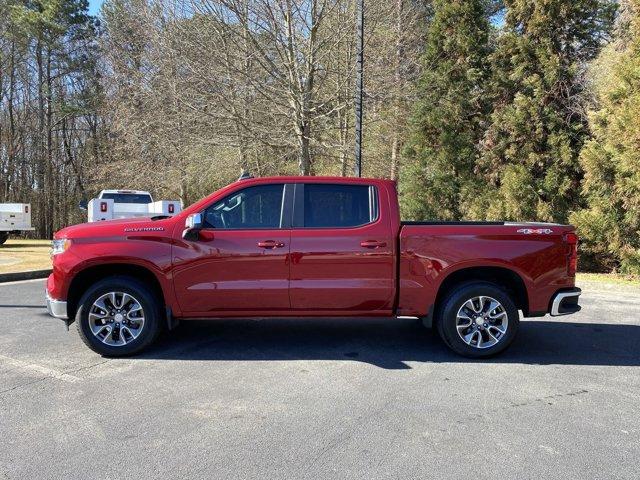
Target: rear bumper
x=56, y=308
x=565, y=302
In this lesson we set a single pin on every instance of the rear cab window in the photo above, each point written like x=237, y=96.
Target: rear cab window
x=328, y=205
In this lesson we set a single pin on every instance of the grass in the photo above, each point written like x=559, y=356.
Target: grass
x=611, y=278
x=19, y=255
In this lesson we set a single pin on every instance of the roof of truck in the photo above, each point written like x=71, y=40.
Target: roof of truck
x=311, y=179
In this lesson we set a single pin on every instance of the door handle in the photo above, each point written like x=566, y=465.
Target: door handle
x=270, y=244
x=373, y=244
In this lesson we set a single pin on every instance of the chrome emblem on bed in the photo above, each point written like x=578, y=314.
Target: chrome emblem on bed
x=535, y=231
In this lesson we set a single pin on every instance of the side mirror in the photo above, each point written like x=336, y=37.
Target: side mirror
x=192, y=227
x=83, y=204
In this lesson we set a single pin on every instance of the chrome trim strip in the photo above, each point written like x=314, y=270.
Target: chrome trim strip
x=555, y=306
x=56, y=308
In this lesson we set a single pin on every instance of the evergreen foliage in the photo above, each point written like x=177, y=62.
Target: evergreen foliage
x=610, y=225
x=530, y=150
x=450, y=111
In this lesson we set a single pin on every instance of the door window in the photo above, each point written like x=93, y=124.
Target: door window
x=251, y=208
x=331, y=205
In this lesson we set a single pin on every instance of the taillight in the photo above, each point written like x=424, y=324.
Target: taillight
x=103, y=207
x=26, y=209
x=171, y=208
x=571, y=239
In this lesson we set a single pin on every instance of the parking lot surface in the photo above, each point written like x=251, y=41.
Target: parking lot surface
x=322, y=398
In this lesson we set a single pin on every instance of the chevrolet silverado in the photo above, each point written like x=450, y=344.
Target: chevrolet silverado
x=309, y=247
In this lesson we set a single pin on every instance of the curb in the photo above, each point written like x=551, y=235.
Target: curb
x=30, y=275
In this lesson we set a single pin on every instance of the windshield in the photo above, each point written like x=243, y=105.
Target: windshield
x=127, y=197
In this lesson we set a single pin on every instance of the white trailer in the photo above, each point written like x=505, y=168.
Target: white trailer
x=14, y=218
x=112, y=204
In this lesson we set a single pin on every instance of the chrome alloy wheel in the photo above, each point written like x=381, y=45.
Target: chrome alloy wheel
x=116, y=318
x=482, y=322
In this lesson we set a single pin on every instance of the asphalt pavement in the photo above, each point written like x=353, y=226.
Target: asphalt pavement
x=322, y=399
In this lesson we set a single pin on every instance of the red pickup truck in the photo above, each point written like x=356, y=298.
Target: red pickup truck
x=309, y=246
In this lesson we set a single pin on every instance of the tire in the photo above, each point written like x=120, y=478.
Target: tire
x=120, y=334
x=474, y=301
x=3, y=237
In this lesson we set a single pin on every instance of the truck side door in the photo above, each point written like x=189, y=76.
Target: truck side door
x=342, y=250
x=241, y=261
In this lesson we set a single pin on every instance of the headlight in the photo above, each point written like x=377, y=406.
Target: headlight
x=59, y=246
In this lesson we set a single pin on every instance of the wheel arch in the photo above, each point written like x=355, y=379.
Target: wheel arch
x=91, y=274
x=509, y=280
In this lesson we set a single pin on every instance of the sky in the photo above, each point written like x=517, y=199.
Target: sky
x=94, y=6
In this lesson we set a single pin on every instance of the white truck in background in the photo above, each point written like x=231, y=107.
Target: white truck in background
x=14, y=218
x=113, y=204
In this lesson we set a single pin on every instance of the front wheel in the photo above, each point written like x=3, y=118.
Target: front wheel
x=3, y=237
x=478, y=320
x=118, y=316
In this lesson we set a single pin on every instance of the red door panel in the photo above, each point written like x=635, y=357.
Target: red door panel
x=334, y=272
x=236, y=271
x=342, y=270
x=240, y=263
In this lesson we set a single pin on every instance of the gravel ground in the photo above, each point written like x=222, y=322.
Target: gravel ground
x=324, y=398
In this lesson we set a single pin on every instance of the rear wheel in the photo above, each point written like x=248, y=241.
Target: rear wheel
x=118, y=316
x=478, y=320
x=3, y=237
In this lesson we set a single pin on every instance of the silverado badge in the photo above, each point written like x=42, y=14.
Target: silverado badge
x=144, y=229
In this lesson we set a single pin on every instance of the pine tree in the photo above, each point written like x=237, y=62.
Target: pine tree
x=530, y=150
x=60, y=36
x=610, y=225
x=451, y=108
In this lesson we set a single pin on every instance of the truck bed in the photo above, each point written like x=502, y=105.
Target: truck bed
x=431, y=251
x=415, y=222
x=475, y=222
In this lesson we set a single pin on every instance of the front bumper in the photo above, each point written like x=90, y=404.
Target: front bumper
x=565, y=302
x=56, y=308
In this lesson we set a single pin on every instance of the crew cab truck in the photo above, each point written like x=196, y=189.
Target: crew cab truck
x=309, y=247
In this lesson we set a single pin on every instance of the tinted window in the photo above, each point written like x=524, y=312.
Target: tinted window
x=127, y=197
x=327, y=205
x=253, y=207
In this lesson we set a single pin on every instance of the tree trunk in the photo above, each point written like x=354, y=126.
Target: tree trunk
x=395, y=142
x=304, y=144
x=50, y=189
x=246, y=66
x=343, y=120
x=70, y=159
x=40, y=150
x=184, y=191
x=4, y=187
x=11, y=141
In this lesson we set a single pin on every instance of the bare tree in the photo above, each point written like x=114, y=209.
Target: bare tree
x=47, y=52
x=203, y=89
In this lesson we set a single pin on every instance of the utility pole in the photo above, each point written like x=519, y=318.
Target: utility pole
x=359, y=86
